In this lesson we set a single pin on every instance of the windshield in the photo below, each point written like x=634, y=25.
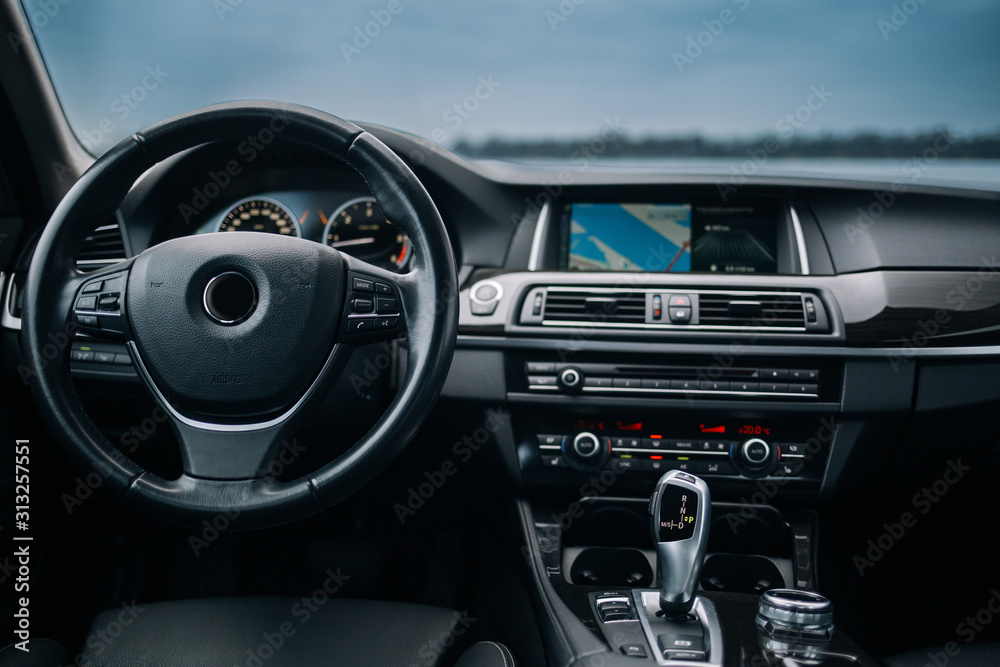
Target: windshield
x=782, y=82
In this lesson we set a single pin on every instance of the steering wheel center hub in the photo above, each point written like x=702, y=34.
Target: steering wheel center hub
x=230, y=298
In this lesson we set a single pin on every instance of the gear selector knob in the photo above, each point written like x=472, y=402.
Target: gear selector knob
x=680, y=510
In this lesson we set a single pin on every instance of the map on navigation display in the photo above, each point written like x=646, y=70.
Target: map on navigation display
x=630, y=237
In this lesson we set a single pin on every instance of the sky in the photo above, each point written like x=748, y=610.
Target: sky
x=533, y=69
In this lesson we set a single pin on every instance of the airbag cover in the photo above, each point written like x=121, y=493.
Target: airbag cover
x=255, y=367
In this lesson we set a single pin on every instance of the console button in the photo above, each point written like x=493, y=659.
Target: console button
x=657, y=466
x=716, y=468
x=362, y=305
x=385, y=322
x=653, y=443
x=685, y=465
x=682, y=646
x=713, y=385
x=683, y=444
x=680, y=315
x=657, y=307
x=81, y=355
x=363, y=285
x=774, y=387
x=550, y=440
x=383, y=305
x=803, y=389
x=104, y=357
x=603, y=383
x=113, y=284
x=87, y=303
x=553, y=461
x=679, y=301
x=382, y=288
x=803, y=375
x=123, y=360
x=686, y=385
x=622, y=464
x=357, y=325
x=714, y=446
x=774, y=374
x=539, y=367
x=88, y=321
x=542, y=380
x=627, y=383
x=656, y=384
x=90, y=288
x=792, y=448
x=744, y=386
x=634, y=650
x=756, y=451
x=791, y=468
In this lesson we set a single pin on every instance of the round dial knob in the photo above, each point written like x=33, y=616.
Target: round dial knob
x=800, y=616
x=571, y=378
x=755, y=452
x=586, y=445
x=585, y=451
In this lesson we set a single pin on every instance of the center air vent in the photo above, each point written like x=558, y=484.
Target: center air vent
x=598, y=307
x=756, y=310
x=677, y=309
x=102, y=248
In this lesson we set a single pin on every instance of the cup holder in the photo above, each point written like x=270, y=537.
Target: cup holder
x=609, y=566
x=739, y=573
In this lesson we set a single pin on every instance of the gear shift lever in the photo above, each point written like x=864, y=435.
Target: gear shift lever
x=680, y=510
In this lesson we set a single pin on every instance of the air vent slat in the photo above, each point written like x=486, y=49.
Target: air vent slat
x=764, y=311
x=598, y=307
x=102, y=248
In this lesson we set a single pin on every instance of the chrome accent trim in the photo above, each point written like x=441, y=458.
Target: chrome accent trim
x=687, y=391
x=479, y=341
x=7, y=320
x=541, y=225
x=673, y=327
x=497, y=286
x=800, y=240
x=682, y=452
x=705, y=611
x=242, y=318
x=142, y=372
x=555, y=447
x=542, y=387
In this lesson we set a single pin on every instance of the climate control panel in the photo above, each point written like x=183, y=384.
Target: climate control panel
x=558, y=451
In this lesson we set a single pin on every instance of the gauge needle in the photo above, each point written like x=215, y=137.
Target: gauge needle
x=361, y=241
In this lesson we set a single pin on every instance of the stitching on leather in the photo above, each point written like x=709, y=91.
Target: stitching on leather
x=503, y=652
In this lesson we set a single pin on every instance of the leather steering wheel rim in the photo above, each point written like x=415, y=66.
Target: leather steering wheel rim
x=430, y=299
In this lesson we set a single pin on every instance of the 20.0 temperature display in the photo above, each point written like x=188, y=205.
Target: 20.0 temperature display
x=754, y=429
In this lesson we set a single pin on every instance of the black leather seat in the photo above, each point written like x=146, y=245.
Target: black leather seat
x=41, y=653
x=271, y=632
x=968, y=655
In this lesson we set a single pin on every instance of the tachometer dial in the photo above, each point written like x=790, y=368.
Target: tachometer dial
x=360, y=229
x=260, y=215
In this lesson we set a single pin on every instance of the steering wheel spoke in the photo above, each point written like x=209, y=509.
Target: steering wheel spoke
x=375, y=303
x=99, y=302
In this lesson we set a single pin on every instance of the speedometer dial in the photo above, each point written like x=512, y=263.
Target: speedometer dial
x=260, y=215
x=360, y=229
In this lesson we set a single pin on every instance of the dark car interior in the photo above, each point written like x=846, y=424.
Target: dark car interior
x=284, y=389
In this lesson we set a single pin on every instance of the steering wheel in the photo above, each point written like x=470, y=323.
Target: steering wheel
x=238, y=336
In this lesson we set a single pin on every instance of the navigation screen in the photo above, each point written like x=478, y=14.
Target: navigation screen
x=668, y=238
